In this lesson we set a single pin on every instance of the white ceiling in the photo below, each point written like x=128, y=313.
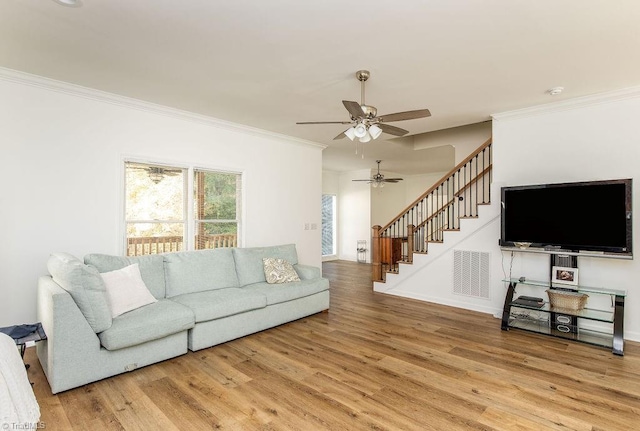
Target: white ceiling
x=271, y=63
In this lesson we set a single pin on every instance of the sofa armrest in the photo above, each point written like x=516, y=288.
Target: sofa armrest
x=69, y=336
x=307, y=272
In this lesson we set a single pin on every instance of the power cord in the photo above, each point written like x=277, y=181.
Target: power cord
x=510, y=265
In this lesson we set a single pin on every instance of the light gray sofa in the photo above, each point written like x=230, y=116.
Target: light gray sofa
x=204, y=298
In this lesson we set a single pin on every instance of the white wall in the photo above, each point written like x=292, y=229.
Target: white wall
x=61, y=177
x=416, y=185
x=354, y=214
x=330, y=182
x=465, y=139
x=594, y=138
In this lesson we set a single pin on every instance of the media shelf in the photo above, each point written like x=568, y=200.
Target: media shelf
x=540, y=319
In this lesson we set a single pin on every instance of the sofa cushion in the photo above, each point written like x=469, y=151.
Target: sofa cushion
x=151, y=268
x=249, y=261
x=307, y=272
x=198, y=271
x=277, y=271
x=277, y=293
x=215, y=304
x=125, y=290
x=151, y=322
x=85, y=286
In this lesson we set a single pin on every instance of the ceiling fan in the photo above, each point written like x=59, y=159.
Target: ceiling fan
x=156, y=173
x=379, y=179
x=365, y=123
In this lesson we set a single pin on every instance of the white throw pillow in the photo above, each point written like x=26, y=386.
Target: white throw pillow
x=279, y=271
x=125, y=290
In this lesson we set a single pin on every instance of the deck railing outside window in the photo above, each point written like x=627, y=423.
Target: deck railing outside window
x=138, y=246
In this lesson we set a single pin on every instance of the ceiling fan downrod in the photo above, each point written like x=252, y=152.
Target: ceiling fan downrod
x=370, y=112
x=362, y=76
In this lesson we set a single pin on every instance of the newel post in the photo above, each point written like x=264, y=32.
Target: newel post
x=410, y=230
x=376, y=267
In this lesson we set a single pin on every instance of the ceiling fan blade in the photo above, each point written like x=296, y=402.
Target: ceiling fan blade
x=392, y=180
x=362, y=180
x=324, y=122
x=407, y=115
x=354, y=108
x=341, y=135
x=392, y=130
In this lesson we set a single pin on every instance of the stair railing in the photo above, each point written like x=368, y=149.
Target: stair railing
x=456, y=196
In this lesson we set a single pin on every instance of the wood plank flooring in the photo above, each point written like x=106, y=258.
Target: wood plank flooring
x=373, y=362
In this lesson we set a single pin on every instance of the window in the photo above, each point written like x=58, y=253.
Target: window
x=217, y=205
x=328, y=225
x=157, y=198
x=154, y=208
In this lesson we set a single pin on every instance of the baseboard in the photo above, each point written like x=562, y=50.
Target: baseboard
x=448, y=302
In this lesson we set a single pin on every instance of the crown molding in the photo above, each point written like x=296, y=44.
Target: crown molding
x=575, y=103
x=67, y=88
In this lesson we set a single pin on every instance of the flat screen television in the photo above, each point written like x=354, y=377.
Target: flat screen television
x=582, y=216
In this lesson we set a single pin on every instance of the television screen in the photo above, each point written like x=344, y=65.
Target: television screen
x=585, y=216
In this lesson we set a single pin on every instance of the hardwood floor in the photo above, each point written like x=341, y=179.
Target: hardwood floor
x=373, y=362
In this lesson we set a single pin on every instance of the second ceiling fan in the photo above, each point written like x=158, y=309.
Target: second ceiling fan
x=378, y=180
x=365, y=122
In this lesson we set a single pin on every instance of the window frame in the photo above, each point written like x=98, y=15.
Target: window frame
x=188, y=203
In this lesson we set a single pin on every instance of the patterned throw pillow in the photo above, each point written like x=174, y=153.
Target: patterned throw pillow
x=279, y=271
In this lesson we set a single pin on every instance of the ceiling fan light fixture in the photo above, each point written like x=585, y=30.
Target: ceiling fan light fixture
x=365, y=138
x=360, y=131
x=375, y=131
x=350, y=133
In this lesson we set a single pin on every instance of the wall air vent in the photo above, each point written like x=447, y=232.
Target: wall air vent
x=471, y=273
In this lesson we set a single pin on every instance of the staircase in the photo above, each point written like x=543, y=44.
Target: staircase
x=455, y=197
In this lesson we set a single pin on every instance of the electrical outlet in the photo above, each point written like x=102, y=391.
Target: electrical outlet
x=306, y=226
x=314, y=226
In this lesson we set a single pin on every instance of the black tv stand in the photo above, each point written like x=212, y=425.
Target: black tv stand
x=539, y=319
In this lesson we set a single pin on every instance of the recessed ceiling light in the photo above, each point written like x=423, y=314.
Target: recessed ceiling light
x=69, y=3
x=555, y=90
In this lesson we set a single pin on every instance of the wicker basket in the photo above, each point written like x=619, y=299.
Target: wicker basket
x=567, y=300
